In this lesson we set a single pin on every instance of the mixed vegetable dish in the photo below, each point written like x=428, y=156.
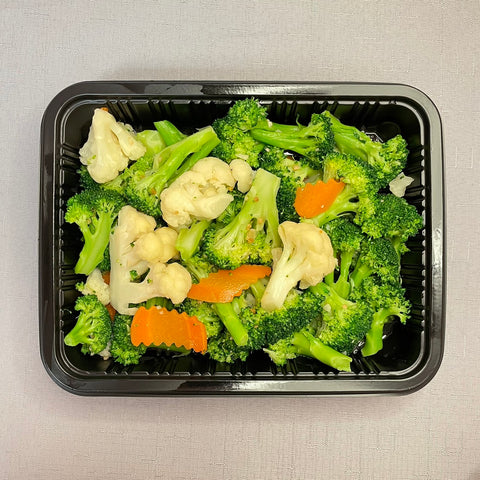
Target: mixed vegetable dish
x=246, y=235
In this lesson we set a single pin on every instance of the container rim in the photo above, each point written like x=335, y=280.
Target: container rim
x=153, y=385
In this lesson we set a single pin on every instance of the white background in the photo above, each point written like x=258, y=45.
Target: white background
x=46, y=433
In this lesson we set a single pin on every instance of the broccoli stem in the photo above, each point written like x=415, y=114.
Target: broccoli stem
x=342, y=285
x=374, y=337
x=189, y=239
x=310, y=346
x=95, y=244
x=169, y=159
x=169, y=132
x=258, y=289
x=343, y=204
x=204, y=151
x=360, y=273
x=232, y=323
x=282, y=140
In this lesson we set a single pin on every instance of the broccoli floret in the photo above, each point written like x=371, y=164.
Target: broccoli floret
x=344, y=322
x=292, y=173
x=93, y=329
x=388, y=300
x=313, y=141
x=231, y=130
x=94, y=211
x=86, y=181
x=252, y=234
x=391, y=217
x=205, y=313
x=234, y=143
x=346, y=239
x=143, y=188
x=233, y=208
x=245, y=114
x=388, y=159
x=266, y=328
x=304, y=343
x=284, y=164
x=122, y=349
x=377, y=256
x=223, y=348
x=360, y=186
x=189, y=238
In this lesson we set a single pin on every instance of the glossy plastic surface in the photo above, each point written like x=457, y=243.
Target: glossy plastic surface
x=412, y=353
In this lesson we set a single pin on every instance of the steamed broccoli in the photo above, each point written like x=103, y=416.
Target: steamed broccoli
x=304, y=343
x=377, y=256
x=122, y=349
x=232, y=130
x=93, y=329
x=252, y=233
x=168, y=132
x=388, y=300
x=94, y=211
x=391, y=217
x=313, y=141
x=344, y=322
x=292, y=172
x=360, y=186
x=205, y=312
x=346, y=239
x=297, y=312
x=388, y=159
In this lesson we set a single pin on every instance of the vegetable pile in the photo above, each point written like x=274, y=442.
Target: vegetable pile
x=246, y=235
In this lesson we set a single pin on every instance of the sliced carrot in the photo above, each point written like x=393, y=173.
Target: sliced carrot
x=315, y=198
x=157, y=326
x=224, y=285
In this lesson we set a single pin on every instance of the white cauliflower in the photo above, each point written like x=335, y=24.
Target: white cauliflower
x=132, y=249
x=157, y=246
x=243, y=173
x=109, y=147
x=399, y=184
x=307, y=256
x=95, y=285
x=201, y=193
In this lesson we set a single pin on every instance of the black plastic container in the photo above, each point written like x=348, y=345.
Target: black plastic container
x=411, y=354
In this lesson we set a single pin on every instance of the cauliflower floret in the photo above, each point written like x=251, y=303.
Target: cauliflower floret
x=200, y=193
x=170, y=280
x=109, y=147
x=157, y=246
x=95, y=285
x=129, y=247
x=306, y=258
x=243, y=173
x=399, y=184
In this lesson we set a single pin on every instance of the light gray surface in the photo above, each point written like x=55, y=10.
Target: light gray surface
x=46, y=433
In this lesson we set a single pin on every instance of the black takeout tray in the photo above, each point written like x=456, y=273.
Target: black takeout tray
x=412, y=353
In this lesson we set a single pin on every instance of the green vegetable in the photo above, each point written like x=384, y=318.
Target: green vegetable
x=94, y=211
x=93, y=329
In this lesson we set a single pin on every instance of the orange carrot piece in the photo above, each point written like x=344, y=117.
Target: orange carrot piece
x=224, y=285
x=157, y=326
x=315, y=198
